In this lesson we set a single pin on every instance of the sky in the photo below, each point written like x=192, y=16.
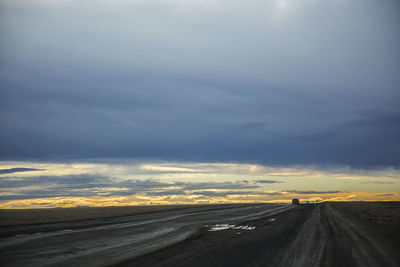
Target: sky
x=181, y=101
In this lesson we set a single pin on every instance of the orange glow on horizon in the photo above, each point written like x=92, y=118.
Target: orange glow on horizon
x=135, y=200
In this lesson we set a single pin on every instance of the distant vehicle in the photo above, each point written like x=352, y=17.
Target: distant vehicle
x=295, y=201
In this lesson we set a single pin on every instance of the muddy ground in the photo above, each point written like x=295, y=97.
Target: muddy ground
x=325, y=234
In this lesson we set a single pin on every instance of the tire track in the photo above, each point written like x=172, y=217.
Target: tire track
x=327, y=238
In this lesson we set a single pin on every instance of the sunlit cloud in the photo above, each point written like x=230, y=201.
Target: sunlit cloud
x=102, y=183
x=55, y=186
x=191, y=169
x=189, y=199
x=166, y=169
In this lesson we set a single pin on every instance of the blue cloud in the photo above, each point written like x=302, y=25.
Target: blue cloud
x=13, y=170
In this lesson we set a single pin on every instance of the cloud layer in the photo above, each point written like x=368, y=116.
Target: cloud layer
x=85, y=185
x=132, y=183
x=13, y=170
x=97, y=190
x=274, y=82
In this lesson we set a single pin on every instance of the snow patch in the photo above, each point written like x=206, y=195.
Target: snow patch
x=220, y=227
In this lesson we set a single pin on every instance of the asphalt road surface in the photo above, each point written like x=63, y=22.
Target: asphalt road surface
x=326, y=234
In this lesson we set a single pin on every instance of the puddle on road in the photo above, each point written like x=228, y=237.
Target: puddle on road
x=220, y=227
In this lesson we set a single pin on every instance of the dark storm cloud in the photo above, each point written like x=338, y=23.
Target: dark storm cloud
x=43, y=194
x=59, y=182
x=12, y=170
x=268, y=82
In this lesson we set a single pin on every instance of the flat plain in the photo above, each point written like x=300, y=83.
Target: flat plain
x=324, y=234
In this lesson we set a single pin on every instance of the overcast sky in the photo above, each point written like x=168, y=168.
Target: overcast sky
x=182, y=101
x=273, y=82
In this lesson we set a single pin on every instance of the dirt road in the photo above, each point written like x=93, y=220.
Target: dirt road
x=314, y=235
x=327, y=234
x=327, y=238
x=112, y=240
